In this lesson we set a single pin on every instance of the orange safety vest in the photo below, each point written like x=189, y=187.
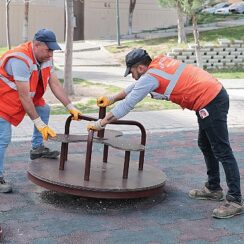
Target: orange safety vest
x=11, y=108
x=183, y=84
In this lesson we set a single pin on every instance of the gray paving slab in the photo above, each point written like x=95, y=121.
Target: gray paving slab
x=32, y=214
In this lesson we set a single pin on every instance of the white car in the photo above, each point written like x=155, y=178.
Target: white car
x=224, y=10
x=215, y=7
x=237, y=8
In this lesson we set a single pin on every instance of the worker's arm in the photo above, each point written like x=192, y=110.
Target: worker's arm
x=25, y=99
x=105, y=101
x=61, y=95
x=143, y=86
x=58, y=90
x=29, y=107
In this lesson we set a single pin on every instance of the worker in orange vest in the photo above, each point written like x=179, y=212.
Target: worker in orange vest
x=193, y=88
x=25, y=72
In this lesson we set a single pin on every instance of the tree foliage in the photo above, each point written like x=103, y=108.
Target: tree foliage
x=191, y=7
x=180, y=18
x=168, y=3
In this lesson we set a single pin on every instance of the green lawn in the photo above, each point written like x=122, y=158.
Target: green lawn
x=164, y=45
x=211, y=18
x=229, y=74
x=2, y=50
x=89, y=106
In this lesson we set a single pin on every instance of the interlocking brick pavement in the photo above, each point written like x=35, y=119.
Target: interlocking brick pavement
x=32, y=214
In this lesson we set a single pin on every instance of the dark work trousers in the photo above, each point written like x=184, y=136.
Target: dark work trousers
x=213, y=140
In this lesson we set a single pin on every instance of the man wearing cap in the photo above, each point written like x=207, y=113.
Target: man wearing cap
x=25, y=72
x=193, y=88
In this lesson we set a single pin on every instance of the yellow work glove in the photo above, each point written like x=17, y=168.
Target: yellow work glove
x=74, y=111
x=96, y=125
x=104, y=101
x=43, y=129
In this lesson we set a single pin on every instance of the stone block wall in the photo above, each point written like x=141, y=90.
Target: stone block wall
x=226, y=55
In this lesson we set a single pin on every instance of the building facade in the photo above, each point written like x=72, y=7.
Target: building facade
x=94, y=19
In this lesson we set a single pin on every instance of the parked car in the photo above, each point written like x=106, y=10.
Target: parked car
x=217, y=6
x=224, y=10
x=237, y=8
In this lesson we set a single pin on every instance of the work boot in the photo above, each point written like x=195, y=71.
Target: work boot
x=206, y=194
x=43, y=152
x=228, y=210
x=4, y=186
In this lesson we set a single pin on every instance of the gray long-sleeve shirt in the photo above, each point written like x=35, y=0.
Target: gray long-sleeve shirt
x=134, y=94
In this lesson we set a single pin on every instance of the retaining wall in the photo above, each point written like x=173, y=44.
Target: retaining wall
x=223, y=56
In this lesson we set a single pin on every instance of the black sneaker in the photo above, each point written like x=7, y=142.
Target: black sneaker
x=4, y=186
x=43, y=152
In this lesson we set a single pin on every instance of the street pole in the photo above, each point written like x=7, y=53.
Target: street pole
x=117, y=19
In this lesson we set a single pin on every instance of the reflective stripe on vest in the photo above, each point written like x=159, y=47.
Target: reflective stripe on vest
x=22, y=55
x=173, y=78
x=33, y=67
x=8, y=82
x=13, y=86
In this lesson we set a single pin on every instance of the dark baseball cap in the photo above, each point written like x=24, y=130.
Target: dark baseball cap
x=48, y=37
x=134, y=57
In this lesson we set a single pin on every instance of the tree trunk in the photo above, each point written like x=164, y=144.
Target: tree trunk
x=197, y=44
x=68, y=78
x=131, y=10
x=180, y=24
x=7, y=24
x=26, y=21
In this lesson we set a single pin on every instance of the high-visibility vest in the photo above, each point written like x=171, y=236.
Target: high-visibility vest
x=183, y=84
x=11, y=108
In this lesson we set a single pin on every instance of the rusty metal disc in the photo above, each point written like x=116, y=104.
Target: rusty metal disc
x=105, y=179
x=69, y=138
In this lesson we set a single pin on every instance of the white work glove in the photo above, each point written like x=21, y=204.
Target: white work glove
x=73, y=111
x=43, y=129
x=96, y=125
x=105, y=101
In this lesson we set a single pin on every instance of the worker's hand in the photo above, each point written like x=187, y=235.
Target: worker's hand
x=74, y=111
x=104, y=101
x=96, y=125
x=44, y=129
